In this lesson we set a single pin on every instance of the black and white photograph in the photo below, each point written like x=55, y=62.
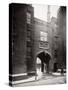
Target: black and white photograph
x=37, y=44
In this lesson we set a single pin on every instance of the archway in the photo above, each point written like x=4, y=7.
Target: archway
x=42, y=61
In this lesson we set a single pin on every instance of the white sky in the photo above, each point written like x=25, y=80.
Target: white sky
x=40, y=11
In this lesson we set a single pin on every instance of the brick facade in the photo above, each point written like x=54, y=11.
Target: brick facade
x=28, y=36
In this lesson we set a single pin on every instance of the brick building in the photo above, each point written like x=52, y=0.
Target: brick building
x=61, y=21
x=54, y=44
x=21, y=41
x=42, y=39
x=28, y=37
x=58, y=30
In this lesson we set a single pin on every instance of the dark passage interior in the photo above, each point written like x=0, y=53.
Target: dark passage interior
x=45, y=58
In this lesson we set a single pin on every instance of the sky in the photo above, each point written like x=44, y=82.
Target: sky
x=40, y=11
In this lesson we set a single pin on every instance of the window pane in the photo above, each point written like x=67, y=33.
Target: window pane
x=28, y=33
x=28, y=18
x=28, y=39
x=28, y=49
x=29, y=44
x=43, y=36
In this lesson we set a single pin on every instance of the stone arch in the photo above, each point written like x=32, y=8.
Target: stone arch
x=44, y=58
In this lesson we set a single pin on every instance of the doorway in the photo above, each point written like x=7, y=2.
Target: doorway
x=42, y=62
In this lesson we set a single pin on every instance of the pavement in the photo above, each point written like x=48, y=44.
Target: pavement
x=47, y=79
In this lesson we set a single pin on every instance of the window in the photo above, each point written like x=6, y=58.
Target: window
x=43, y=36
x=28, y=18
x=28, y=49
x=29, y=44
x=28, y=33
x=28, y=39
x=55, y=53
x=28, y=53
x=43, y=40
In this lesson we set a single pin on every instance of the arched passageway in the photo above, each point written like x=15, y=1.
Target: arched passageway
x=42, y=61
